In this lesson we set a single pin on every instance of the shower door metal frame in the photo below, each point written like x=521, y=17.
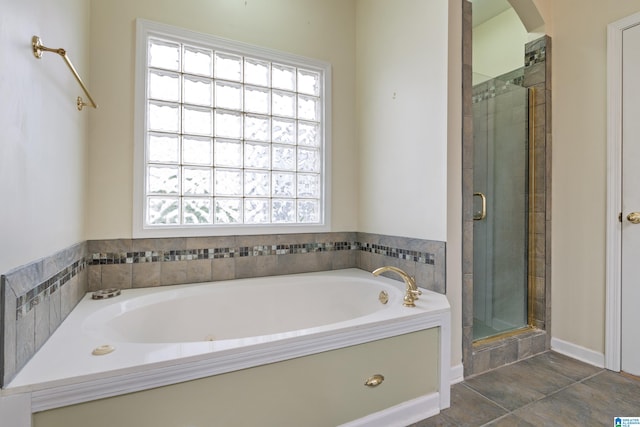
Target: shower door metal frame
x=530, y=266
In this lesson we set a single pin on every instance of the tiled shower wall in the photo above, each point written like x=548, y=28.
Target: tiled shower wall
x=37, y=297
x=538, y=76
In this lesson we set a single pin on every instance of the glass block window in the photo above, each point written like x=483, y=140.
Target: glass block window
x=231, y=137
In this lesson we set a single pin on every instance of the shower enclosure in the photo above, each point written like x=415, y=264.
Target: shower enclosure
x=500, y=174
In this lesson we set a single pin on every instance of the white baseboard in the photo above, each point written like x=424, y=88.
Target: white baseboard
x=578, y=352
x=457, y=374
x=402, y=415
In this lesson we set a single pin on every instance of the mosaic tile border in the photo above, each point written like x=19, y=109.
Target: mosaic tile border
x=26, y=302
x=109, y=258
x=258, y=250
x=535, y=57
x=404, y=254
x=494, y=87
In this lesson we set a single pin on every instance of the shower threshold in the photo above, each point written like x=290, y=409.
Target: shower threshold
x=498, y=335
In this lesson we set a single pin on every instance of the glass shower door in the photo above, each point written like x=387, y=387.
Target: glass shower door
x=500, y=208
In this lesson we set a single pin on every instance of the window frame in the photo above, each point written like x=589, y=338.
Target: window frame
x=146, y=29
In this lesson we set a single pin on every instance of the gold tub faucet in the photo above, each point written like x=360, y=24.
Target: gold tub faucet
x=412, y=289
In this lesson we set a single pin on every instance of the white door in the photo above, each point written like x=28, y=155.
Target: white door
x=630, y=292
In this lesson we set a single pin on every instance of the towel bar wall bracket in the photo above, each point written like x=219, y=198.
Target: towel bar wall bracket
x=38, y=48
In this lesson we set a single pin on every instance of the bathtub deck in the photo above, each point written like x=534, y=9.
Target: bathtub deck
x=64, y=372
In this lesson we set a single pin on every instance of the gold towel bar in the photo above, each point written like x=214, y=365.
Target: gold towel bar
x=38, y=48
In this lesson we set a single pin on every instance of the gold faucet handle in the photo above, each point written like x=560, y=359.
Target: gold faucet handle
x=408, y=300
x=413, y=289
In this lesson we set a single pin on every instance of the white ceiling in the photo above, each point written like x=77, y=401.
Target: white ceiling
x=483, y=10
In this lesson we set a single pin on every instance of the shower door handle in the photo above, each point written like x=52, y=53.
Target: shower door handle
x=483, y=212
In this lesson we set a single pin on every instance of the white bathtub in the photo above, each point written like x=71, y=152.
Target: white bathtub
x=172, y=334
x=257, y=309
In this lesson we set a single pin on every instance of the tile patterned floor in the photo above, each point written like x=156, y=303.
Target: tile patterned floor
x=546, y=390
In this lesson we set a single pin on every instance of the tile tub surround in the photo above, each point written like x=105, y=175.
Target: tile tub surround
x=134, y=263
x=37, y=297
x=424, y=259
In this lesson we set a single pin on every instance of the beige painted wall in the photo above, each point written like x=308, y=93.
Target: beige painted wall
x=402, y=116
x=324, y=30
x=43, y=138
x=544, y=8
x=319, y=29
x=409, y=100
x=498, y=45
x=579, y=167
